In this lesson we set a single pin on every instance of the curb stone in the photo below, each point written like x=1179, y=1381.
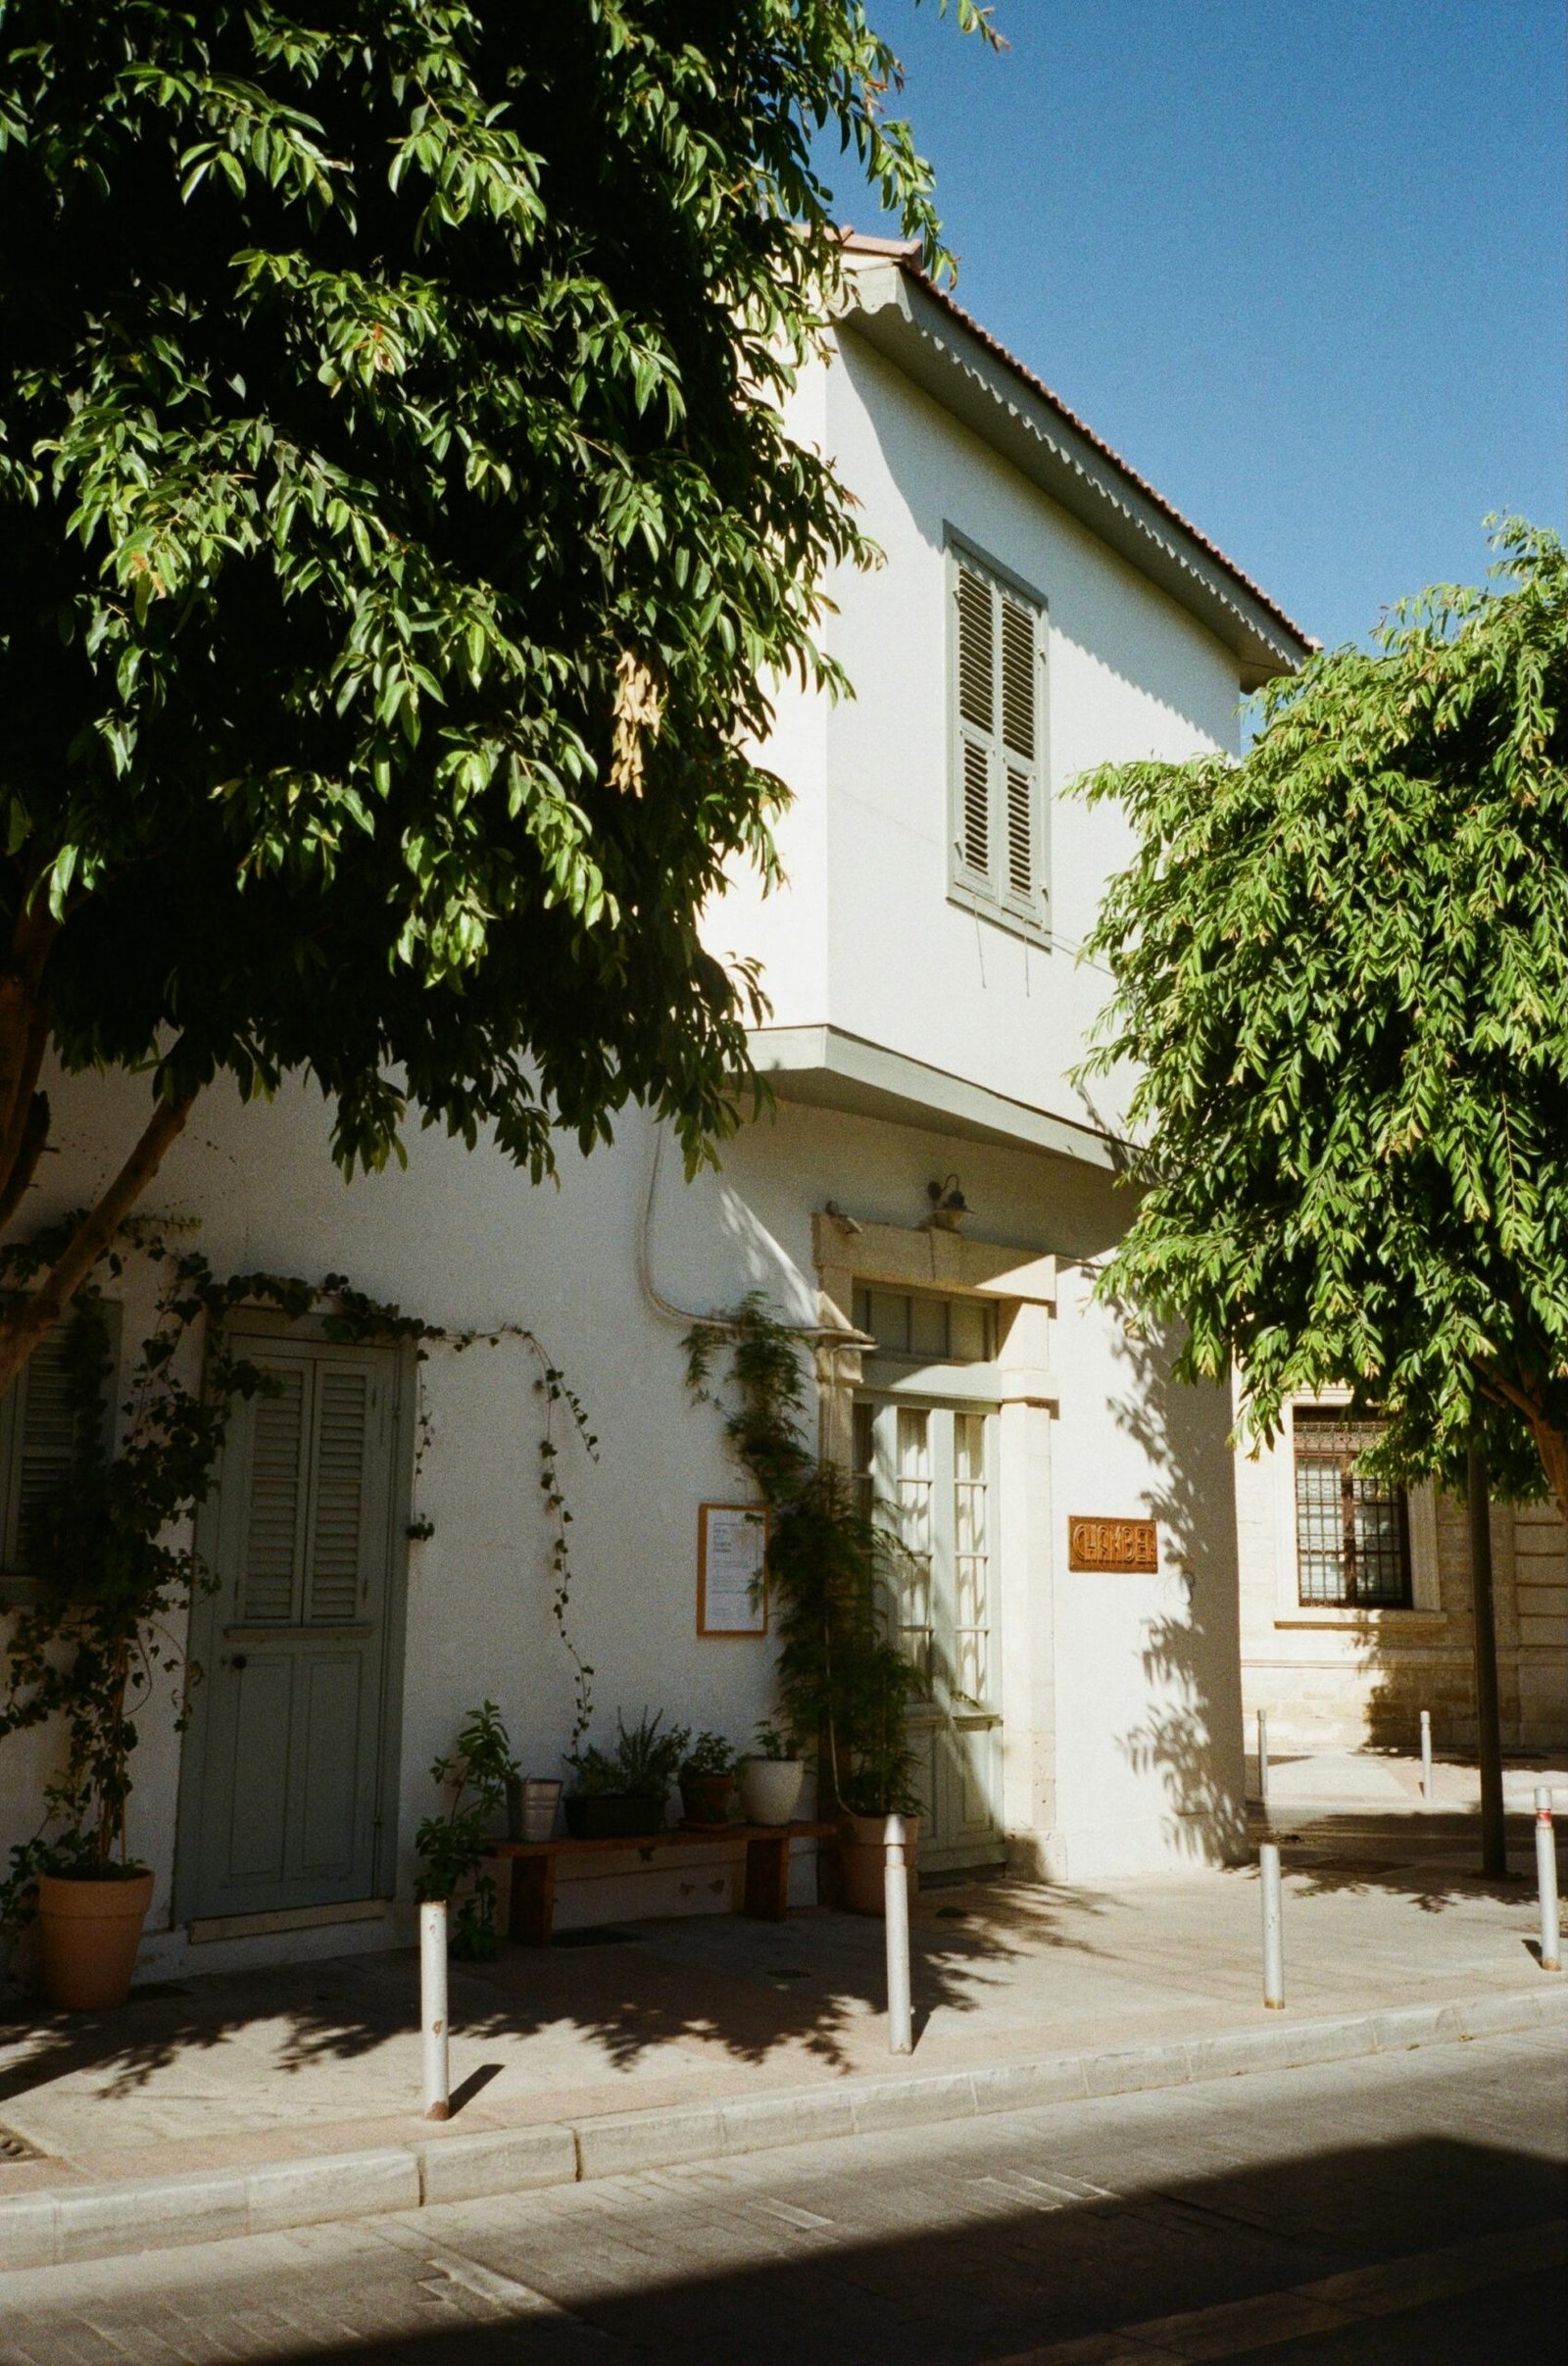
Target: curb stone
x=123, y=2216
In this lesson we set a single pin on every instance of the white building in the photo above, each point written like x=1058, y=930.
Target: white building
x=1041, y=609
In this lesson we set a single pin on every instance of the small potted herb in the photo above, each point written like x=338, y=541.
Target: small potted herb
x=771, y=1775
x=622, y=1794
x=708, y=1781
x=879, y=1780
x=452, y=1849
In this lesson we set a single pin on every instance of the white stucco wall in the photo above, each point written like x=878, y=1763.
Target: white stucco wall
x=463, y=1240
x=1131, y=675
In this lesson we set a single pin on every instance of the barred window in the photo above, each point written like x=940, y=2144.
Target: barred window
x=1352, y=1531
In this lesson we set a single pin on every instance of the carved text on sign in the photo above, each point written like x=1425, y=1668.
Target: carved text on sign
x=1112, y=1545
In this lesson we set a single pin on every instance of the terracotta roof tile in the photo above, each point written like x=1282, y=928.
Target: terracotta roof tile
x=905, y=252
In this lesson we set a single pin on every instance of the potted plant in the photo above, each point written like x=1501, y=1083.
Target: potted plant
x=622, y=1794
x=878, y=1780
x=452, y=1847
x=708, y=1781
x=532, y=1802
x=771, y=1775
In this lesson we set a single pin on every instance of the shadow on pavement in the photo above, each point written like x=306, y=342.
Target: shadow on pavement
x=1452, y=2236
x=748, y=1991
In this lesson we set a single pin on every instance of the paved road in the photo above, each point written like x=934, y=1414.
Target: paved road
x=1400, y=2208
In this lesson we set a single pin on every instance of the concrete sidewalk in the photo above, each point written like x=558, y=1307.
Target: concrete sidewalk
x=728, y=2023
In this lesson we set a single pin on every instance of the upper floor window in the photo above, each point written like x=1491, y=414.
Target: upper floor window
x=926, y=1329
x=998, y=730
x=1352, y=1531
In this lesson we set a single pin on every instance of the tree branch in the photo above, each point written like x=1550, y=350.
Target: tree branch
x=24, y=1158
x=21, y=1330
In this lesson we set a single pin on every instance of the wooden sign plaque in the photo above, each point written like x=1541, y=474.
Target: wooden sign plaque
x=1121, y=1545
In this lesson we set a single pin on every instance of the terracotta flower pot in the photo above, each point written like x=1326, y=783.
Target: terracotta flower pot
x=707, y=1798
x=865, y=1851
x=90, y=1932
x=769, y=1789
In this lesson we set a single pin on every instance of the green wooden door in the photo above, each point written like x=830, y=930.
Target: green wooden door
x=285, y=1762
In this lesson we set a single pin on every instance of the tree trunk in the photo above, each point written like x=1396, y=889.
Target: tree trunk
x=1489, y=1727
x=1552, y=1448
x=37, y=1314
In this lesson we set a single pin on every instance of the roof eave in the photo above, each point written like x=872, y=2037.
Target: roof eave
x=896, y=310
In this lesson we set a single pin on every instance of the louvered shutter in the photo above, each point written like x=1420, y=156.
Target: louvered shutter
x=1019, y=761
x=42, y=1444
x=337, y=1498
x=39, y=1443
x=306, y=1509
x=973, y=836
x=275, y=1506
x=998, y=785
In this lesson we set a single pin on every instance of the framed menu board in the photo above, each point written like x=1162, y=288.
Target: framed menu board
x=731, y=1564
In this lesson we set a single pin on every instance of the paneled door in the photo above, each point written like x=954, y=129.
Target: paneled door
x=928, y=1472
x=284, y=1763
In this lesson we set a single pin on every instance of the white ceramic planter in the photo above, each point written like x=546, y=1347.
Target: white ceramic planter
x=769, y=1789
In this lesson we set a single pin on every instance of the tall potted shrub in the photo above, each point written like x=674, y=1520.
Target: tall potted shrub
x=842, y=1682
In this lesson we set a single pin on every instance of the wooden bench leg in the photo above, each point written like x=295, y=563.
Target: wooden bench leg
x=532, y=1914
x=767, y=1878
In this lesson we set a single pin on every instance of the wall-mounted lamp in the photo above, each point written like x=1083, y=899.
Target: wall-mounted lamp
x=949, y=1207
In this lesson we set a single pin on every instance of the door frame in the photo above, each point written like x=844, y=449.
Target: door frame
x=262, y=1323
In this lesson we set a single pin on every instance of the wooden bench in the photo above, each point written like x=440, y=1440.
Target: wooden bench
x=531, y=1911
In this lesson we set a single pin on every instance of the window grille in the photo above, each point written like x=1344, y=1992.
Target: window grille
x=1352, y=1531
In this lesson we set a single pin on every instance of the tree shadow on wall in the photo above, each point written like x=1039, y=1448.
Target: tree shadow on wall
x=1192, y=1733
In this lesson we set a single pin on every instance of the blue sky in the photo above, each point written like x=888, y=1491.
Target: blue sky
x=1304, y=263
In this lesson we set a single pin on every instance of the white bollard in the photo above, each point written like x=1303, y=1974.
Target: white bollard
x=1268, y=1864
x=896, y=1898
x=1426, y=1756
x=1263, y=1755
x=433, y=2009
x=1546, y=1883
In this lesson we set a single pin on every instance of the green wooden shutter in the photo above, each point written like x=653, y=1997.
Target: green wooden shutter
x=998, y=792
x=338, y=1495
x=1019, y=763
x=39, y=1443
x=973, y=836
x=275, y=1503
x=308, y=1508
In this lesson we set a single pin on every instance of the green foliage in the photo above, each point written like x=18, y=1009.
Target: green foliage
x=643, y=1764
x=770, y=1741
x=112, y=1590
x=1342, y=968
x=89, y=1650
x=710, y=1755
x=842, y=1682
x=402, y=530
x=452, y=1847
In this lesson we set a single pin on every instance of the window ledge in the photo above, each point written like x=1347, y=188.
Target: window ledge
x=969, y=899
x=1350, y=1617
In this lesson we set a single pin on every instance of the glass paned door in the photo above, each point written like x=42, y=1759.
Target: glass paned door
x=927, y=1472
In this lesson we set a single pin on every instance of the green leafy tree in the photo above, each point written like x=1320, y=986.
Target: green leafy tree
x=1341, y=966
x=402, y=531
